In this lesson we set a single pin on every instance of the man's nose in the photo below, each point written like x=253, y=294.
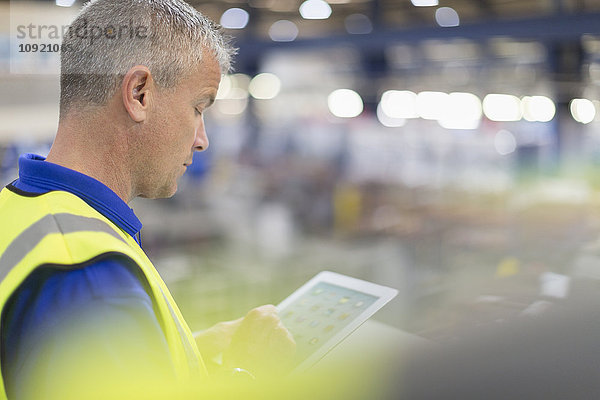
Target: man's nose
x=201, y=142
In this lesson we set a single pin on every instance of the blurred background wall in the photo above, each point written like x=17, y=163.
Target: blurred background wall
x=447, y=148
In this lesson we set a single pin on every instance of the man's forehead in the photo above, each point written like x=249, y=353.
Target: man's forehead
x=203, y=82
x=208, y=71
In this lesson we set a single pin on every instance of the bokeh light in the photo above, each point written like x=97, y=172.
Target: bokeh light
x=505, y=142
x=235, y=18
x=345, y=103
x=538, y=108
x=264, y=86
x=431, y=105
x=447, y=17
x=386, y=120
x=399, y=104
x=502, y=107
x=463, y=111
x=582, y=110
x=283, y=31
x=315, y=9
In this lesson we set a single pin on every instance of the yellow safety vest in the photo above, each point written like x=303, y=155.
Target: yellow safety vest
x=59, y=229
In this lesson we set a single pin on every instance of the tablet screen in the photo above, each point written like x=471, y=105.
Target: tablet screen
x=321, y=313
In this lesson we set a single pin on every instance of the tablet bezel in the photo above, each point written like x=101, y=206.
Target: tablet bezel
x=383, y=293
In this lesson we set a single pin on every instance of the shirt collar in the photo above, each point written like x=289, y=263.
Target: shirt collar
x=42, y=176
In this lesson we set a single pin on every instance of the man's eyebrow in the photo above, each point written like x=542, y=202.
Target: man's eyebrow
x=206, y=100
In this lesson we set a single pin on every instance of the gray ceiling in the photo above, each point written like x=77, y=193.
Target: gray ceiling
x=391, y=14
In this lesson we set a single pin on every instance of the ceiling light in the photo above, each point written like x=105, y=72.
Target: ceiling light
x=387, y=121
x=399, y=104
x=583, y=110
x=240, y=81
x=462, y=111
x=235, y=18
x=264, y=86
x=358, y=24
x=505, y=142
x=65, y=3
x=447, y=17
x=345, y=103
x=538, y=108
x=425, y=3
x=283, y=31
x=315, y=9
x=431, y=105
x=235, y=103
x=502, y=107
x=224, y=87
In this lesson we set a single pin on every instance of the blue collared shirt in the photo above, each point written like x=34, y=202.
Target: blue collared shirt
x=37, y=176
x=109, y=287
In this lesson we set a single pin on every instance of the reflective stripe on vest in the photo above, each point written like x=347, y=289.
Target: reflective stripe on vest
x=194, y=367
x=51, y=223
x=60, y=229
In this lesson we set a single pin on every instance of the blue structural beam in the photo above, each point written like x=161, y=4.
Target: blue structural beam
x=550, y=28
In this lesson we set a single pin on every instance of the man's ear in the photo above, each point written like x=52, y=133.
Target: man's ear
x=135, y=89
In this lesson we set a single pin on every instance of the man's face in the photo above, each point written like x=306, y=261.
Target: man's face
x=176, y=129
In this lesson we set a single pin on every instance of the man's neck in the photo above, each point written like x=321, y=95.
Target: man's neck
x=95, y=153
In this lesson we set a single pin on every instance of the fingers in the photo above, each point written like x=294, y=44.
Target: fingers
x=261, y=343
x=216, y=339
x=229, y=327
x=283, y=345
x=266, y=311
x=261, y=319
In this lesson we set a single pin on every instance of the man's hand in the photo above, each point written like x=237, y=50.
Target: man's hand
x=257, y=342
x=261, y=344
x=214, y=340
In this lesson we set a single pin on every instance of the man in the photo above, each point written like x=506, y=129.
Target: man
x=83, y=309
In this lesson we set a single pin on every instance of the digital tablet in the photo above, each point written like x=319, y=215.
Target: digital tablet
x=326, y=309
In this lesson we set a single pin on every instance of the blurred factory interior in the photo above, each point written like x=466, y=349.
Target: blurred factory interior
x=448, y=149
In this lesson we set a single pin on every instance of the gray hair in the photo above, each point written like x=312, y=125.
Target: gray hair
x=109, y=37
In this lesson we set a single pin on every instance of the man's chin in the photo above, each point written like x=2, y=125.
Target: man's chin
x=163, y=193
